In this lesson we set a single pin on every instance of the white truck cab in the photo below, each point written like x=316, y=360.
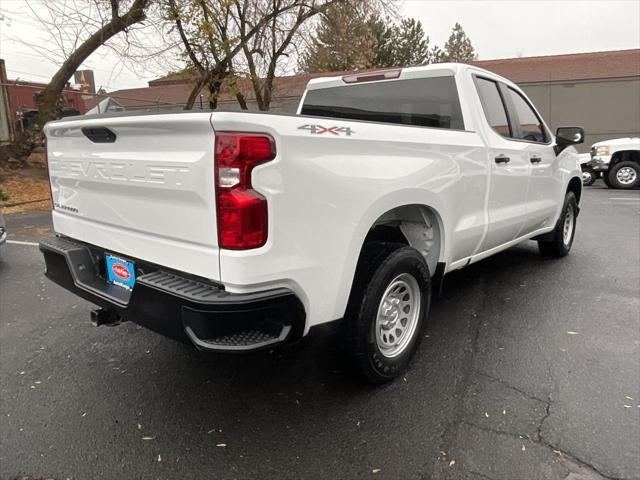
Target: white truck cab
x=241, y=231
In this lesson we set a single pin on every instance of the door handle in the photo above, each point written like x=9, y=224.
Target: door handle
x=502, y=159
x=535, y=159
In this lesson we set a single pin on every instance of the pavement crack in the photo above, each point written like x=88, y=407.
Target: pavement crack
x=541, y=441
x=576, y=460
x=547, y=412
x=521, y=392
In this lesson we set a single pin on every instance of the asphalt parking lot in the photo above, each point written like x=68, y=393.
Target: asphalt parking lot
x=530, y=369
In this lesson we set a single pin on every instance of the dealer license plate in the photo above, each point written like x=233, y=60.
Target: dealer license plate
x=120, y=272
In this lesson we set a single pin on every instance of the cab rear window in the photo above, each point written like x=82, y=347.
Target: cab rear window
x=425, y=102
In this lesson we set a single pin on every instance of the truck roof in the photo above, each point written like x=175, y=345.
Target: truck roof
x=405, y=73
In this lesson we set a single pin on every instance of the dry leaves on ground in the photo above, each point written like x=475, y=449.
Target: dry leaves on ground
x=25, y=185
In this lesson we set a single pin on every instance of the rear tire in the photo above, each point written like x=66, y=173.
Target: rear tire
x=624, y=175
x=387, y=310
x=561, y=239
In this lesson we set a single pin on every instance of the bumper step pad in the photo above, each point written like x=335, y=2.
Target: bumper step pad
x=183, y=287
x=268, y=334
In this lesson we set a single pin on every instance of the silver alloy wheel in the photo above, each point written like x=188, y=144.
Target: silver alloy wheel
x=586, y=177
x=569, y=223
x=626, y=175
x=398, y=315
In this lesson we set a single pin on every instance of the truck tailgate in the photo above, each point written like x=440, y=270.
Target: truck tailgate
x=148, y=193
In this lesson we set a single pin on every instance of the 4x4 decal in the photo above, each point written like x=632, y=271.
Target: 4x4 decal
x=319, y=130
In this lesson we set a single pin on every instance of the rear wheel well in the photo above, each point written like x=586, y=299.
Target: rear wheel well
x=575, y=186
x=417, y=226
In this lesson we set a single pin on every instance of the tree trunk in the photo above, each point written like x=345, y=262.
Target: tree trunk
x=215, y=85
x=197, y=88
x=242, y=101
x=51, y=94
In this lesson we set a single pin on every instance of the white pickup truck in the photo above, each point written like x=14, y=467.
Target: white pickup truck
x=617, y=160
x=241, y=231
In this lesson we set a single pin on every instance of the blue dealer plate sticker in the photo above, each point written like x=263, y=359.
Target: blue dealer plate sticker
x=120, y=272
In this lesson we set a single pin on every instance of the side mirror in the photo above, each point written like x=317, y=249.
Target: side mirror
x=566, y=136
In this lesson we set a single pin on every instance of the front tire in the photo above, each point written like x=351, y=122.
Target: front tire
x=561, y=238
x=625, y=175
x=387, y=310
x=588, y=177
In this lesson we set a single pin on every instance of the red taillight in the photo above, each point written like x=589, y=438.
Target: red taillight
x=242, y=212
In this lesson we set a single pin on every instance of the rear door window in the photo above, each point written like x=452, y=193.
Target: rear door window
x=493, y=106
x=424, y=102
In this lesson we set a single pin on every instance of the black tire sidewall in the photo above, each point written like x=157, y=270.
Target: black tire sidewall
x=402, y=260
x=592, y=180
x=555, y=247
x=613, y=179
x=569, y=202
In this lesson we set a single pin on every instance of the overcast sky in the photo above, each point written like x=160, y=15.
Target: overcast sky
x=498, y=29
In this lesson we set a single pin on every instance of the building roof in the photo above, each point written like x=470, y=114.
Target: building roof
x=147, y=97
x=174, y=89
x=570, y=67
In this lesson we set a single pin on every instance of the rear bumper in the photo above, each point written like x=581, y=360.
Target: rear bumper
x=175, y=305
